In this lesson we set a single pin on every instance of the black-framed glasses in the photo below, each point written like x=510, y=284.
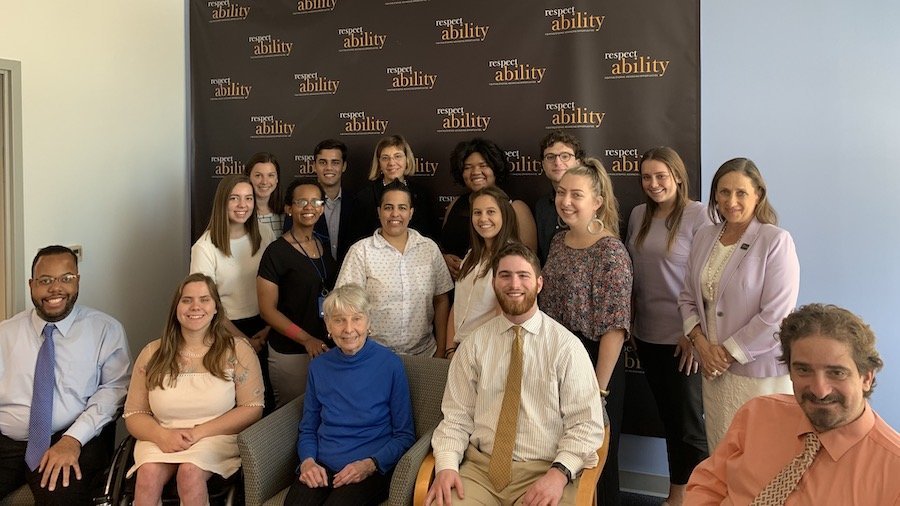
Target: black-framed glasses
x=563, y=157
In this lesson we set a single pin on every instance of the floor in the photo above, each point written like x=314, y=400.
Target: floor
x=629, y=499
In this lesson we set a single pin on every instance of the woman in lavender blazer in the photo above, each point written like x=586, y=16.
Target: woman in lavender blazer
x=743, y=279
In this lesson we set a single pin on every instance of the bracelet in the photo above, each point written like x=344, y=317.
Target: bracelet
x=690, y=338
x=604, y=393
x=449, y=351
x=293, y=331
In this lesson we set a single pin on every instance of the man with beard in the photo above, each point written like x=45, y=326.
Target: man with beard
x=824, y=444
x=64, y=371
x=522, y=409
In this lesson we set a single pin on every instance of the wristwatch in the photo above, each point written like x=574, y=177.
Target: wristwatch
x=563, y=469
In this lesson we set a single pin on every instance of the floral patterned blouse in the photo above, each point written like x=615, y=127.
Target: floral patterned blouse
x=588, y=290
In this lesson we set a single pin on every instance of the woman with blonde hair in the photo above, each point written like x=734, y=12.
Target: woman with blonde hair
x=660, y=232
x=191, y=392
x=393, y=160
x=587, y=288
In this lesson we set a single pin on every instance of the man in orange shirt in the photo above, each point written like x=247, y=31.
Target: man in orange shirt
x=842, y=451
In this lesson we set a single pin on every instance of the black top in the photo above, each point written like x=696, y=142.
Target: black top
x=455, y=237
x=300, y=283
x=547, y=222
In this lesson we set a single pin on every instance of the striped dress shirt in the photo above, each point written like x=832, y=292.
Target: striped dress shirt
x=560, y=416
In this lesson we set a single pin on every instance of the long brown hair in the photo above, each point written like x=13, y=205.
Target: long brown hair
x=163, y=369
x=608, y=214
x=670, y=158
x=509, y=231
x=764, y=211
x=218, y=218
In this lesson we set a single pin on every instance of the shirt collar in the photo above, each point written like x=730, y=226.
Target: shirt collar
x=340, y=193
x=531, y=326
x=414, y=239
x=839, y=441
x=62, y=326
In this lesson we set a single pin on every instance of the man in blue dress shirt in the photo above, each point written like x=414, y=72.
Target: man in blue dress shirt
x=65, y=372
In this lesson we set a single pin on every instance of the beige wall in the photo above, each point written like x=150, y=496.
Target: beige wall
x=104, y=146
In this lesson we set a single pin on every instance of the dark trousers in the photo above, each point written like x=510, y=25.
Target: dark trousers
x=608, y=486
x=250, y=326
x=371, y=491
x=93, y=461
x=680, y=404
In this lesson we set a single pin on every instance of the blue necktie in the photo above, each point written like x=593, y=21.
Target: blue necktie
x=40, y=425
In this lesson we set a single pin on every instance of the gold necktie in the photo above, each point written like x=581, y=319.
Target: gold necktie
x=505, y=435
x=781, y=486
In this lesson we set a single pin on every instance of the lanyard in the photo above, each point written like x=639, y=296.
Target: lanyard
x=323, y=272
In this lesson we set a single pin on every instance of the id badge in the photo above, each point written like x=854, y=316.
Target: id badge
x=322, y=306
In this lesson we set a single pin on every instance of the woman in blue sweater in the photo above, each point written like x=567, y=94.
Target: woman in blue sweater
x=357, y=416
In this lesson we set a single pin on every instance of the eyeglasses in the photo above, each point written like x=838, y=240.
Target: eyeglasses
x=397, y=157
x=563, y=157
x=306, y=202
x=66, y=279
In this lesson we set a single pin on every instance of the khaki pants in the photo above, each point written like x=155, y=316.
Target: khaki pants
x=479, y=490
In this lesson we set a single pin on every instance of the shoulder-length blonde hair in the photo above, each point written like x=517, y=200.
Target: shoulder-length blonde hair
x=218, y=218
x=669, y=157
x=396, y=141
x=608, y=214
x=163, y=369
x=764, y=211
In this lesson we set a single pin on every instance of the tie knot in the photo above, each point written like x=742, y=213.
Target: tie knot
x=48, y=330
x=517, y=331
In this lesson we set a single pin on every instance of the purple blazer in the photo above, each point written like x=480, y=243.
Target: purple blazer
x=758, y=288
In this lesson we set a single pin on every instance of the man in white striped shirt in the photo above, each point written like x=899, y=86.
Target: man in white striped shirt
x=559, y=421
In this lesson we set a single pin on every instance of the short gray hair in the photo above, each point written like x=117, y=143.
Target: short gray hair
x=347, y=298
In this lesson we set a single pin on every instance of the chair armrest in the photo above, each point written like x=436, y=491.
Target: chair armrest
x=423, y=480
x=587, y=485
x=404, y=480
x=269, y=452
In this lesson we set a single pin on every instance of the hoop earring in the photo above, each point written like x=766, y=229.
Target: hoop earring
x=593, y=221
x=560, y=224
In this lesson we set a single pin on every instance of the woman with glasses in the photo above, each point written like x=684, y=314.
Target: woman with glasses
x=393, y=161
x=295, y=275
x=476, y=164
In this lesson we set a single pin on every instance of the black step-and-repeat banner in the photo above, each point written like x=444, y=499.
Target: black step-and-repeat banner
x=279, y=76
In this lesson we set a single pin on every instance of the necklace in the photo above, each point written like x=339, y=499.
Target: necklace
x=715, y=264
x=191, y=355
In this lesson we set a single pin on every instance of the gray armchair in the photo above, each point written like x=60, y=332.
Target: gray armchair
x=269, y=447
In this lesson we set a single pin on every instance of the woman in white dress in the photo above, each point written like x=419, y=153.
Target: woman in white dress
x=742, y=279
x=191, y=392
x=493, y=223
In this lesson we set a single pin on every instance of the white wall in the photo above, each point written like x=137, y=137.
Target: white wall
x=808, y=90
x=104, y=146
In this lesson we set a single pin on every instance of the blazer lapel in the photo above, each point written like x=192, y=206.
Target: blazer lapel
x=743, y=246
